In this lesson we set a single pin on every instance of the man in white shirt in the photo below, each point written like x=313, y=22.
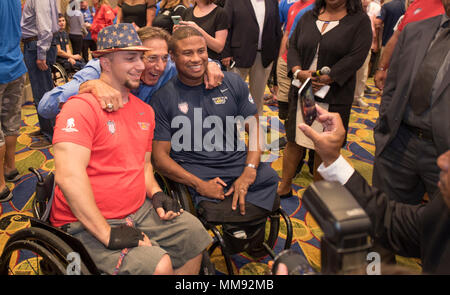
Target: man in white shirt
x=253, y=42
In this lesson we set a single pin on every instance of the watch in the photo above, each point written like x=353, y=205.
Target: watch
x=381, y=69
x=296, y=73
x=251, y=165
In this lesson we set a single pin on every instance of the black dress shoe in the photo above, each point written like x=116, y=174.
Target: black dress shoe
x=36, y=133
x=285, y=196
x=5, y=195
x=13, y=176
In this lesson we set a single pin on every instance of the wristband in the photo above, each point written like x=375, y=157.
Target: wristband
x=124, y=236
x=296, y=73
x=381, y=69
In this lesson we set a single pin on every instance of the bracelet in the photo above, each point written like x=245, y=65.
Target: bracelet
x=296, y=73
x=381, y=69
x=251, y=166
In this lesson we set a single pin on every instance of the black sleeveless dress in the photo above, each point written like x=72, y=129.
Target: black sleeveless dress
x=135, y=13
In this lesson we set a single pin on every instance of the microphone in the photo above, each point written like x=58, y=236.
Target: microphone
x=323, y=71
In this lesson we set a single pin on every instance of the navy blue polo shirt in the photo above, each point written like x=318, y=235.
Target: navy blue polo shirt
x=202, y=125
x=62, y=39
x=389, y=14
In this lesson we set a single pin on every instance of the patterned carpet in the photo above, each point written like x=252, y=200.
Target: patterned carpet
x=359, y=151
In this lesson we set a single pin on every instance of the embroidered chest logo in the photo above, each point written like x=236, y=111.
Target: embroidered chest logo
x=183, y=107
x=144, y=125
x=70, y=126
x=220, y=99
x=111, y=127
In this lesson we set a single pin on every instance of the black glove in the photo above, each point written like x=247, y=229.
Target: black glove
x=160, y=199
x=124, y=236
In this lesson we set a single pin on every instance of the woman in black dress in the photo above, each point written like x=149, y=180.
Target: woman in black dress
x=336, y=34
x=140, y=12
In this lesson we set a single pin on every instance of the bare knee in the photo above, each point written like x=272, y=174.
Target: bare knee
x=164, y=266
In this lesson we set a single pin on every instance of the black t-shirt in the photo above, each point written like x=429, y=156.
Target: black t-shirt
x=164, y=20
x=134, y=13
x=216, y=20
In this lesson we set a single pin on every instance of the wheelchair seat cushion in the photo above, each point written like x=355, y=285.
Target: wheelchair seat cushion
x=218, y=213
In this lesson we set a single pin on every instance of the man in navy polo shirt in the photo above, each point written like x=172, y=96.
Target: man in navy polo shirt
x=196, y=140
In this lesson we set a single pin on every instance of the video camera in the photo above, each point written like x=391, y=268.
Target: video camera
x=346, y=227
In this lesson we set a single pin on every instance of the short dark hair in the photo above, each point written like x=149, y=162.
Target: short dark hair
x=60, y=15
x=181, y=33
x=353, y=7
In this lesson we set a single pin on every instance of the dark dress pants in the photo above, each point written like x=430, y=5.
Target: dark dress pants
x=407, y=168
x=41, y=81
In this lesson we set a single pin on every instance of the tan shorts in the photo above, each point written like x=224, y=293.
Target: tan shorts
x=11, y=100
x=183, y=238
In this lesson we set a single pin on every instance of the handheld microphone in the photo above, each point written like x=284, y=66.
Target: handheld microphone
x=323, y=71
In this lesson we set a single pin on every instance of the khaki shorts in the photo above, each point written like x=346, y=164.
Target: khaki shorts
x=183, y=238
x=11, y=100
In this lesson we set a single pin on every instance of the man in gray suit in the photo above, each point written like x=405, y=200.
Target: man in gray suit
x=414, y=122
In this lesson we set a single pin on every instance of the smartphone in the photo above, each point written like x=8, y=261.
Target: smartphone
x=307, y=102
x=176, y=19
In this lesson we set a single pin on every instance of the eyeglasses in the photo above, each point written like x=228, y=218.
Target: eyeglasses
x=154, y=58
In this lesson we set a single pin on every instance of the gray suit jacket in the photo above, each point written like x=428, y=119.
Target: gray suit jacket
x=406, y=60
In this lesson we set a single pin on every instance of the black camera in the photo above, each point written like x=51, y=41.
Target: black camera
x=346, y=227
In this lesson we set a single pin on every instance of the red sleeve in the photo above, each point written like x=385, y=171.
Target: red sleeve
x=110, y=15
x=96, y=26
x=76, y=123
x=103, y=18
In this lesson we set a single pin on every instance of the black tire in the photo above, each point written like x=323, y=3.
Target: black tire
x=53, y=245
x=50, y=263
x=59, y=75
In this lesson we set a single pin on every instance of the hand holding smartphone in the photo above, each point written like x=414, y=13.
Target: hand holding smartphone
x=176, y=19
x=307, y=102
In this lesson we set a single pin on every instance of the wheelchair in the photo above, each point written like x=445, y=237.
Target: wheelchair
x=63, y=71
x=48, y=250
x=59, y=74
x=234, y=237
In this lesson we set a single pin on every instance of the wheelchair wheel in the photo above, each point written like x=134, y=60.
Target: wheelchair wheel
x=59, y=75
x=38, y=252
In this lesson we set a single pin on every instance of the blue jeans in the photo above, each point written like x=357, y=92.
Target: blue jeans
x=41, y=81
